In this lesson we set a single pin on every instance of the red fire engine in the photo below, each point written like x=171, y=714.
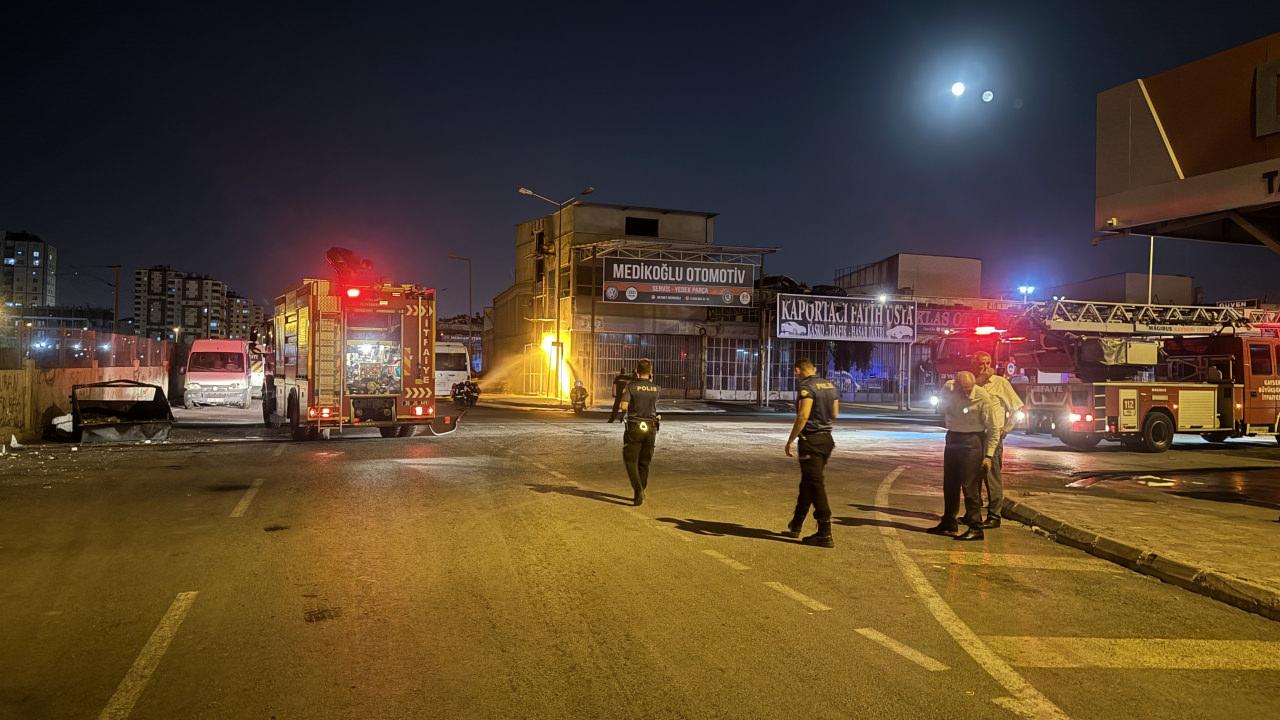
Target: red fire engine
x=1140, y=374
x=356, y=352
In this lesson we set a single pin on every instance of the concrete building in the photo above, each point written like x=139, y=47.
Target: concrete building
x=914, y=274
x=242, y=316
x=28, y=277
x=1129, y=288
x=702, y=346
x=198, y=305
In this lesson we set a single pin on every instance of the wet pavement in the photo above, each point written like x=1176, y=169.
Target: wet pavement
x=501, y=572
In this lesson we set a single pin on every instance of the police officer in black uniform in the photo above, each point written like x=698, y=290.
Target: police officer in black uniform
x=640, y=403
x=817, y=405
x=619, y=386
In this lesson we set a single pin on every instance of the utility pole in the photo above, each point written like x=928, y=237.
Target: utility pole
x=115, y=311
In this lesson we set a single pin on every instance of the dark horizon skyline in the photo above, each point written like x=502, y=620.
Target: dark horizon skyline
x=243, y=145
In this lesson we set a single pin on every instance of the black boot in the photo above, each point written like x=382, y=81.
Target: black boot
x=822, y=538
x=974, y=532
x=992, y=522
x=793, y=528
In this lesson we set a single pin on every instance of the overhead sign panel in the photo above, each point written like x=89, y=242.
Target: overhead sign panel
x=678, y=282
x=814, y=317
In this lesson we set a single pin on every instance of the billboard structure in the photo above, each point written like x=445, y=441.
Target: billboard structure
x=1194, y=152
x=815, y=317
x=653, y=281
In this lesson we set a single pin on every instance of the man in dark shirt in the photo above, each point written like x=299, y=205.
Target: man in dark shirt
x=640, y=403
x=817, y=405
x=619, y=385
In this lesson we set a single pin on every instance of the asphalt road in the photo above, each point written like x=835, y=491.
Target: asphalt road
x=502, y=572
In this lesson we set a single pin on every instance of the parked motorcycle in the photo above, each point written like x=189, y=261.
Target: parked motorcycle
x=465, y=394
x=578, y=398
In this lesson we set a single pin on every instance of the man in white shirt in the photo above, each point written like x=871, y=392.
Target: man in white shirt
x=973, y=420
x=1001, y=390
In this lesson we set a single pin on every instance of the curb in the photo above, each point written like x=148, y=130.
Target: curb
x=1220, y=586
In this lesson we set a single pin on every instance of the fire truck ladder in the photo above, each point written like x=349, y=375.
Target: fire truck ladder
x=329, y=353
x=1081, y=316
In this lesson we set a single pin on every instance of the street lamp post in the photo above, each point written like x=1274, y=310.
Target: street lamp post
x=471, y=335
x=1026, y=290
x=558, y=346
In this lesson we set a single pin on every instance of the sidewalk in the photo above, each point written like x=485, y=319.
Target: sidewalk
x=1225, y=547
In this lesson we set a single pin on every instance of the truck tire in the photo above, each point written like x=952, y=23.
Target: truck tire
x=1157, y=432
x=1081, y=441
x=297, y=429
x=389, y=432
x=406, y=431
x=1216, y=437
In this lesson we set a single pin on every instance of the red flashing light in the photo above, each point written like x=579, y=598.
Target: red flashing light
x=325, y=412
x=312, y=412
x=1088, y=418
x=418, y=410
x=986, y=330
x=353, y=292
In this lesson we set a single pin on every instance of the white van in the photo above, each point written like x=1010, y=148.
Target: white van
x=217, y=373
x=453, y=365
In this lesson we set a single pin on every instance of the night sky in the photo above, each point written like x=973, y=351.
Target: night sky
x=243, y=144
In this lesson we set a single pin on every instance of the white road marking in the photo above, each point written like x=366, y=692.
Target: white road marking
x=726, y=560
x=798, y=597
x=1029, y=562
x=243, y=505
x=135, y=681
x=278, y=451
x=1026, y=701
x=905, y=651
x=1144, y=653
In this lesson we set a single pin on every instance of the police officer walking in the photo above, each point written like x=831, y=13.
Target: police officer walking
x=639, y=402
x=619, y=385
x=817, y=405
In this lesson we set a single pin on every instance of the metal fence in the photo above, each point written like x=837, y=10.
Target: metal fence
x=66, y=348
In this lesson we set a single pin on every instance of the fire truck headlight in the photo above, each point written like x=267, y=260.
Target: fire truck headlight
x=1019, y=416
x=933, y=401
x=1075, y=417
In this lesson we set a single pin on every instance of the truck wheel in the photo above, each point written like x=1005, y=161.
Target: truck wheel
x=1081, y=441
x=389, y=432
x=296, y=428
x=406, y=431
x=1216, y=437
x=1157, y=433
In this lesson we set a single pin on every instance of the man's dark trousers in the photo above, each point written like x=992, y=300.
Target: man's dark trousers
x=994, y=480
x=637, y=451
x=617, y=402
x=814, y=450
x=962, y=471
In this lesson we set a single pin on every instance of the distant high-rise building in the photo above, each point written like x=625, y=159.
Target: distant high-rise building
x=243, y=315
x=169, y=303
x=28, y=276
